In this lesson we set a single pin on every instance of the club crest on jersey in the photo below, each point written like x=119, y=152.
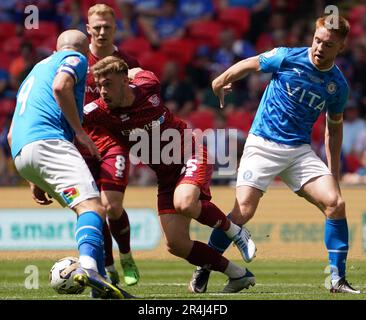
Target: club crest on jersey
x=247, y=175
x=72, y=61
x=154, y=100
x=331, y=87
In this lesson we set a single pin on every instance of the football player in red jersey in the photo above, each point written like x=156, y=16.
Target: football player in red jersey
x=111, y=173
x=130, y=106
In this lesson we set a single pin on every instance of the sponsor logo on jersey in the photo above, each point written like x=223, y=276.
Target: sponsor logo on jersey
x=146, y=127
x=72, y=61
x=90, y=89
x=331, y=87
x=312, y=99
x=70, y=194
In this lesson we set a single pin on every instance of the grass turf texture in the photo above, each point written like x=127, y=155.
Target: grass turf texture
x=276, y=280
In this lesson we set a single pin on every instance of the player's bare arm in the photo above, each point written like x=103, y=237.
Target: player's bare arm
x=63, y=90
x=333, y=142
x=222, y=84
x=10, y=134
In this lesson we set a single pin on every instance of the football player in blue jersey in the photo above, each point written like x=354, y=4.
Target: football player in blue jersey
x=305, y=82
x=47, y=117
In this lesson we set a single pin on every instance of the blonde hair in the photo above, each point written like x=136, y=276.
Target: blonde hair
x=108, y=65
x=101, y=9
x=343, y=25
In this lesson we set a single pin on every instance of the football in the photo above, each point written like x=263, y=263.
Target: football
x=60, y=276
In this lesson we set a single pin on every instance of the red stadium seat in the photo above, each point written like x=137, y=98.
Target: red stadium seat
x=7, y=107
x=46, y=29
x=12, y=45
x=5, y=59
x=179, y=50
x=240, y=119
x=352, y=163
x=202, y=119
x=205, y=32
x=85, y=5
x=356, y=13
x=7, y=30
x=49, y=43
x=135, y=46
x=235, y=18
x=153, y=61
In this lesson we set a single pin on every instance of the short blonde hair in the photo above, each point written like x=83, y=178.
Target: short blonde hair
x=101, y=9
x=110, y=64
x=343, y=25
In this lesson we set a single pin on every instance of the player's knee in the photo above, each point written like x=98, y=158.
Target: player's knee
x=185, y=206
x=335, y=208
x=98, y=207
x=176, y=248
x=113, y=210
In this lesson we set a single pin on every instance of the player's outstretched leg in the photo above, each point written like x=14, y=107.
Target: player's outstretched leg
x=89, y=237
x=112, y=273
x=336, y=241
x=240, y=283
x=120, y=229
x=131, y=273
x=210, y=215
x=201, y=255
x=220, y=242
x=101, y=288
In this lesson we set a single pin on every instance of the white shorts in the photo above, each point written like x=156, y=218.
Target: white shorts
x=57, y=167
x=263, y=160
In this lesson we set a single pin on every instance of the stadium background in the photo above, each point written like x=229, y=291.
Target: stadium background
x=187, y=49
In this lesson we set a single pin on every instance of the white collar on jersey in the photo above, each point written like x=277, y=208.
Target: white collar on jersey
x=311, y=61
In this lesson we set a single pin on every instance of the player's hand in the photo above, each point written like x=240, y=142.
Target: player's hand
x=88, y=143
x=39, y=195
x=221, y=92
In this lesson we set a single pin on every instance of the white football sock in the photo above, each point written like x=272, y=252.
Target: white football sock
x=88, y=262
x=234, y=271
x=233, y=230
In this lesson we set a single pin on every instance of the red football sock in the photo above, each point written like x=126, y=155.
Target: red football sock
x=202, y=255
x=107, y=245
x=120, y=230
x=212, y=216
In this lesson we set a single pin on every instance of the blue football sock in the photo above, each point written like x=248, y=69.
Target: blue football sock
x=219, y=240
x=336, y=241
x=89, y=238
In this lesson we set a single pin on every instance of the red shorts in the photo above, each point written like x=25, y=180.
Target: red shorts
x=111, y=172
x=196, y=171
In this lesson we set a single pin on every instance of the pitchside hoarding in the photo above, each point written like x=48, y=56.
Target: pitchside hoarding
x=32, y=229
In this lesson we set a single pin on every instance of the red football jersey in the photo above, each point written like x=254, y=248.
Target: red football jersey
x=146, y=113
x=100, y=136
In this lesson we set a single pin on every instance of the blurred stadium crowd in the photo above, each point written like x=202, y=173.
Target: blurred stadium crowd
x=187, y=43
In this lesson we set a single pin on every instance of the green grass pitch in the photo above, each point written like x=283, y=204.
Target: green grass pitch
x=276, y=280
